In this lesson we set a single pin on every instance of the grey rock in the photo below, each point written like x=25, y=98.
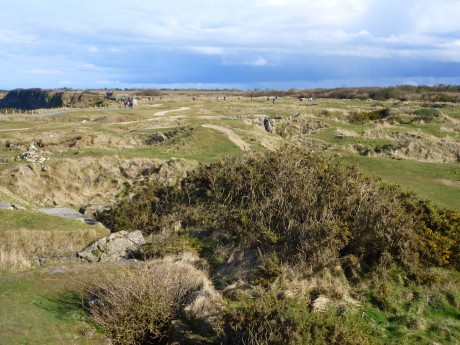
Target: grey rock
x=93, y=211
x=5, y=206
x=114, y=247
x=269, y=125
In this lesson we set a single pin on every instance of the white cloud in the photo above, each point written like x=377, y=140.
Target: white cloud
x=441, y=16
x=208, y=50
x=257, y=62
x=107, y=82
x=40, y=71
x=16, y=37
x=82, y=44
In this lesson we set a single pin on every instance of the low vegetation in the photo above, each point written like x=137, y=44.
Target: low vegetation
x=26, y=237
x=260, y=203
x=139, y=306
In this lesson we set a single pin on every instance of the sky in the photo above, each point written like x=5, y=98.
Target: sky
x=243, y=44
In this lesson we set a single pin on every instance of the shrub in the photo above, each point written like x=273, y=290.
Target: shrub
x=163, y=245
x=439, y=230
x=145, y=211
x=267, y=319
x=138, y=306
x=149, y=92
x=360, y=117
x=307, y=210
x=427, y=112
x=311, y=210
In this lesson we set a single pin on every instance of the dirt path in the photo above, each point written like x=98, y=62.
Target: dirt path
x=14, y=129
x=159, y=113
x=163, y=113
x=451, y=119
x=235, y=138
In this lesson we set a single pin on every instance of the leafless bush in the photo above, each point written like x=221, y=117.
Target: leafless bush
x=138, y=305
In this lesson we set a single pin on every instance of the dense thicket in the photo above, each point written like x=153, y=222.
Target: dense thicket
x=303, y=207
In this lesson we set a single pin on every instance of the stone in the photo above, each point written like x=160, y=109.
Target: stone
x=5, y=206
x=114, y=247
x=93, y=211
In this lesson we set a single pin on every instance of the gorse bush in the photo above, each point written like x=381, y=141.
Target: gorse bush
x=304, y=207
x=311, y=210
x=146, y=211
x=427, y=112
x=361, y=117
x=264, y=318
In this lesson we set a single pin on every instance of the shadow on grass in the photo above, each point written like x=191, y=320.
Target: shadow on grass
x=68, y=305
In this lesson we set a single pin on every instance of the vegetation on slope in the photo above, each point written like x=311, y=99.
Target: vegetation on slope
x=291, y=216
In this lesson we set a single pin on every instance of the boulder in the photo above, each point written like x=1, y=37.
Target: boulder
x=268, y=125
x=96, y=210
x=114, y=247
x=4, y=205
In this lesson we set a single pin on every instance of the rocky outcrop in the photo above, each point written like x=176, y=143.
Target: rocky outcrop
x=114, y=247
x=29, y=99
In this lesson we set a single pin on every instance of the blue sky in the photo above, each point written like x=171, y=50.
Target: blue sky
x=242, y=44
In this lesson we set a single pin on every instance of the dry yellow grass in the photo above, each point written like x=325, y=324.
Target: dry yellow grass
x=20, y=249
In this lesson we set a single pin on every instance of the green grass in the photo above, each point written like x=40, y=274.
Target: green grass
x=43, y=307
x=34, y=220
x=95, y=152
x=201, y=144
x=419, y=314
x=438, y=182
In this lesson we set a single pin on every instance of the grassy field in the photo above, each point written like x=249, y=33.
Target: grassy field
x=44, y=306
x=126, y=133
x=36, y=306
x=438, y=182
